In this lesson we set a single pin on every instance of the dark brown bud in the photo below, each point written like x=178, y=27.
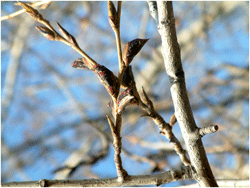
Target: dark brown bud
x=128, y=77
x=46, y=32
x=108, y=79
x=66, y=35
x=113, y=20
x=131, y=49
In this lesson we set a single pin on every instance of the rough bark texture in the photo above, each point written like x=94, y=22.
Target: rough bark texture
x=183, y=112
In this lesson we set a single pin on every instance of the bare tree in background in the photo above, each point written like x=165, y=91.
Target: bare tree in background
x=95, y=147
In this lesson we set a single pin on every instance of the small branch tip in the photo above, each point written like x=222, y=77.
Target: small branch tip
x=207, y=130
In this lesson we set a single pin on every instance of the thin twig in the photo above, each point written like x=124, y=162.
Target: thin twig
x=38, y=17
x=117, y=33
x=165, y=128
x=114, y=20
x=22, y=11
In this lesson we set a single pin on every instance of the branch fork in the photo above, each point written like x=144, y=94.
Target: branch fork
x=165, y=128
x=112, y=83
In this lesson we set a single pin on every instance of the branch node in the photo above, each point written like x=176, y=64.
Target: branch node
x=146, y=99
x=43, y=183
x=162, y=133
x=122, y=176
x=158, y=183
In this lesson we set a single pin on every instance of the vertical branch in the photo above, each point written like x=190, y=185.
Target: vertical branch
x=122, y=67
x=183, y=112
x=114, y=20
x=117, y=143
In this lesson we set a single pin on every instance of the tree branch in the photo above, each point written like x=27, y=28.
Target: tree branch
x=40, y=3
x=165, y=128
x=183, y=112
x=114, y=20
x=155, y=179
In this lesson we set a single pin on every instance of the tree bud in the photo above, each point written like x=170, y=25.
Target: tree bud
x=131, y=49
x=46, y=32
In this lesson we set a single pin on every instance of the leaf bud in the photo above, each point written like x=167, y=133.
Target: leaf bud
x=131, y=49
x=66, y=35
x=46, y=32
x=108, y=79
x=31, y=11
x=112, y=15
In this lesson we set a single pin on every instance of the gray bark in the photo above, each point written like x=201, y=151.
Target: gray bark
x=183, y=112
